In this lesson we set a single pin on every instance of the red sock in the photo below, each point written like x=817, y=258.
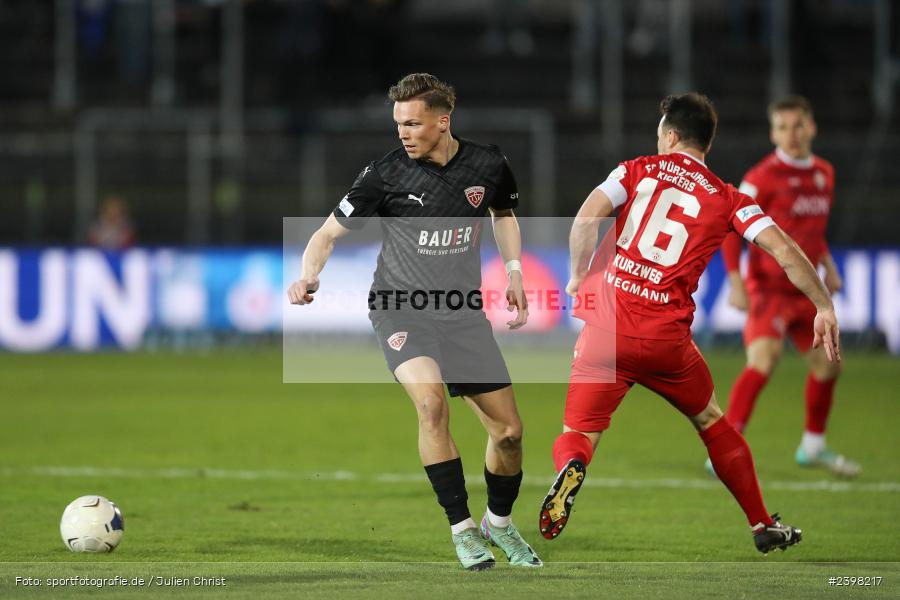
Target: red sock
x=819, y=395
x=743, y=396
x=731, y=458
x=572, y=444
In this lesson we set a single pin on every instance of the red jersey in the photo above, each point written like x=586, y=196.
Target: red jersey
x=673, y=215
x=798, y=195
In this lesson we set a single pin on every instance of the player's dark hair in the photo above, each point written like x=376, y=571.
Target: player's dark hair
x=692, y=116
x=423, y=86
x=792, y=102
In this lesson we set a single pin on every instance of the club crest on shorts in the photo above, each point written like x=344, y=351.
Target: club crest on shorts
x=397, y=340
x=475, y=194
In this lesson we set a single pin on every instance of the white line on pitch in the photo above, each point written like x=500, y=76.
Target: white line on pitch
x=476, y=479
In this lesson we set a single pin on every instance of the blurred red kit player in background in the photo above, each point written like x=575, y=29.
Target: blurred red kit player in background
x=796, y=189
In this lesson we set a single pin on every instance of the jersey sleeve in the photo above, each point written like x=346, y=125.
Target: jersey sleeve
x=507, y=195
x=754, y=185
x=749, y=189
x=363, y=199
x=747, y=218
x=620, y=183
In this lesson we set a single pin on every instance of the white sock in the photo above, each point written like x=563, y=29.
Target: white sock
x=498, y=521
x=812, y=443
x=462, y=526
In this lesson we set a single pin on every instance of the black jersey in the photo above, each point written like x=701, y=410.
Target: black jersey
x=431, y=220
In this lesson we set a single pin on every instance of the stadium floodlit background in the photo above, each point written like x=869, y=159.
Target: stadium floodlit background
x=149, y=152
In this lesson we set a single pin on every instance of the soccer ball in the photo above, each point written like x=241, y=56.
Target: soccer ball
x=92, y=524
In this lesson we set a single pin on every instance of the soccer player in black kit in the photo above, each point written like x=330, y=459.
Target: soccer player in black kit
x=425, y=304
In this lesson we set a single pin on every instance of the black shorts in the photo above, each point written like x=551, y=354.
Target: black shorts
x=464, y=349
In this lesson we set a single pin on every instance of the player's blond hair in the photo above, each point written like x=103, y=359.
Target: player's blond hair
x=436, y=94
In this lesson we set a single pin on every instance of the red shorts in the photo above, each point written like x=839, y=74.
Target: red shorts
x=776, y=315
x=674, y=369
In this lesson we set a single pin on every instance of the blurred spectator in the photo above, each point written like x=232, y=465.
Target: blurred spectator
x=381, y=25
x=113, y=229
x=749, y=23
x=133, y=34
x=301, y=44
x=811, y=53
x=115, y=34
x=93, y=27
x=651, y=28
x=508, y=30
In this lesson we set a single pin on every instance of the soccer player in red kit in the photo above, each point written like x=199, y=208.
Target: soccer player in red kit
x=796, y=189
x=673, y=214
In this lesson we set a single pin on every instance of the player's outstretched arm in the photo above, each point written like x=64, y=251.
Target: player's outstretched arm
x=318, y=249
x=509, y=243
x=583, y=237
x=804, y=276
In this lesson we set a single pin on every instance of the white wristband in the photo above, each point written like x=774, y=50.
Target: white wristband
x=513, y=265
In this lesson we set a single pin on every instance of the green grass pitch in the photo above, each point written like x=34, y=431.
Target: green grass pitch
x=317, y=491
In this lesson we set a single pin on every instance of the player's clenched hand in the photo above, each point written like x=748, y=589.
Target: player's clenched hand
x=301, y=291
x=572, y=286
x=515, y=297
x=737, y=297
x=827, y=333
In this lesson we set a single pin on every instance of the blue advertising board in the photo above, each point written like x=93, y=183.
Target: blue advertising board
x=86, y=299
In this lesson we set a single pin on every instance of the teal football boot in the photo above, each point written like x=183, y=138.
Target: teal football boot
x=472, y=550
x=508, y=539
x=832, y=461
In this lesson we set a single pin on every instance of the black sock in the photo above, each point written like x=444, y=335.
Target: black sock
x=502, y=491
x=450, y=486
